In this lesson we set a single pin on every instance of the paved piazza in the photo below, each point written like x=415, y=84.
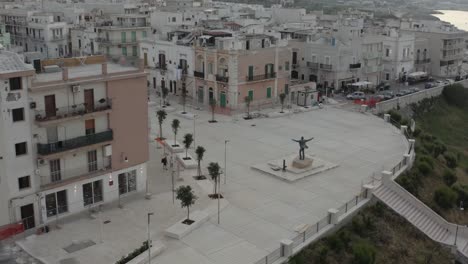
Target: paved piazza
x=261, y=209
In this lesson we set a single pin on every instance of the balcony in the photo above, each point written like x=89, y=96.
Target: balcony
x=371, y=55
x=199, y=74
x=54, y=179
x=220, y=78
x=327, y=67
x=447, y=57
x=423, y=61
x=161, y=66
x=78, y=142
x=261, y=77
x=72, y=112
x=313, y=65
x=58, y=38
x=354, y=66
x=295, y=65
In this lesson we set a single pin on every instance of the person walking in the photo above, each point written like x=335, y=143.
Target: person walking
x=164, y=162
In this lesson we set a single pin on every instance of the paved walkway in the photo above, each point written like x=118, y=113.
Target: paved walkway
x=262, y=209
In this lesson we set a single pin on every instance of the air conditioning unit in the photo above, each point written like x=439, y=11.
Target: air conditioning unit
x=76, y=88
x=40, y=162
x=107, y=150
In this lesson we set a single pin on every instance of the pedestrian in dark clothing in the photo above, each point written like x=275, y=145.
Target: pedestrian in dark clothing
x=164, y=162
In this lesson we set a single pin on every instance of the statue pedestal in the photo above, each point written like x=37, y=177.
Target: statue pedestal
x=302, y=164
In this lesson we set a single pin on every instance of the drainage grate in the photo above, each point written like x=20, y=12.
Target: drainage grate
x=76, y=246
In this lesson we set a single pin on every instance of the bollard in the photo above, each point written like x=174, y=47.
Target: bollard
x=286, y=248
x=386, y=118
x=333, y=216
x=403, y=129
x=386, y=176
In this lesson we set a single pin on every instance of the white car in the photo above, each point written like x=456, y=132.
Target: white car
x=356, y=95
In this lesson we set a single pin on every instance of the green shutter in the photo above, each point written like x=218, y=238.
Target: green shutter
x=269, y=92
x=133, y=36
x=143, y=34
x=134, y=51
x=251, y=95
x=123, y=37
x=124, y=51
x=251, y=72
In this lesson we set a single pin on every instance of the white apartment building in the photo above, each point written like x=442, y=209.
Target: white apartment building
x=398, y=55
x=64, y=138
x=83, y=40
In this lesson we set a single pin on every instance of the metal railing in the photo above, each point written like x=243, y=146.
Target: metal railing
x=312, y=65
x=261, y=77
x=199, y=74
x=220, y=78
x=62, y=175
x=326, y=66
x=73, y=110
x=422, y=61
x=355, y=66
x=51, y=148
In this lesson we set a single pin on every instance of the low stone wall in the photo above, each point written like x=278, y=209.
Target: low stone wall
x=406, y=100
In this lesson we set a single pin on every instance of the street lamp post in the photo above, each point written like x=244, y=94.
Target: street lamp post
x=225, y=152
x=194, y=119
x=149, y=238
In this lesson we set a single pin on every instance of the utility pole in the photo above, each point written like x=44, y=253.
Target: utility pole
x=149, y=238
x=225, y=154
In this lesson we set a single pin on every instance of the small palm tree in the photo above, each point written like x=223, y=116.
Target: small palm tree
x=161, y=116
x=282, y=98
x=213, y=170
x=247, y=101
x=175, y=127
x=165, y=92
x=187, y=198
x=213, y=108
x=188, y=139
x=200, y=151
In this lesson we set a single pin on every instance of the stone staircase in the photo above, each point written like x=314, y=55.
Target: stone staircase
x=422, y=217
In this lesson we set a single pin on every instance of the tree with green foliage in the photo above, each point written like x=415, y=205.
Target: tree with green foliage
x=364, y=253
x=213, y=108
x=200, y=151
x=247, y=101
x=187, y=198
x=451, y=160
x=445, y=197
x=188, y=139
x=282, y=98
x=214, y=172
x=449, y=177
x=161, y=114
x=175, y=128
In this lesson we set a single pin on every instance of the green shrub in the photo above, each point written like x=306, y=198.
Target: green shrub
x=445, y=197
x=416, y=132
x=462, y=192
x=395, y=116
x=424, y=168
x=363, y=253
x=410, y=181
x=426, y=159
x=451, y=160
x=335, y=243
x=439, y=149
x=449, y=177
x=429, y=147
x=456, y=94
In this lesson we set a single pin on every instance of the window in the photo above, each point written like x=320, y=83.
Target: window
x=123, y=36
x=133, y=36
x=387, y=76
x=286, y=66
x=24, y=182
x=286, y=88
x=134, y=51
x=55, y=173
x=127, y=182
x=18, y=114
x=107, y=50
x=210, y=68
x=92, y=192
x=21, y=149
x=92, y=161
x=124, y=51
x=56, y=203
x=387, y=52
x=268, y=95
x=15, y=83
x=143, y=34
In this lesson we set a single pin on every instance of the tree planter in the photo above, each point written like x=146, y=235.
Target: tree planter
x=180, y=230
x=189, y=163
x=199, y=178
x=174, y=149
x=212, y=121
x=157, y=247
x=215, y=196
x=188, y=222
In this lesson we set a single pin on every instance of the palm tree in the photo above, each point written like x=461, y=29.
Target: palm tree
x=175, y=127
x=161, y=116
x=165, y=92
x=184, y=97
x=213, y=170
x=188, y=139
x=247, y=101
x=187, y=198
x=200, y=151
x=282, y=97
x=213, y=108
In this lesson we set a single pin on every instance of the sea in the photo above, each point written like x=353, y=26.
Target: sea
x=457, y=18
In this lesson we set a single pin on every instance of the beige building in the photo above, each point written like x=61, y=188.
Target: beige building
x=229, y=68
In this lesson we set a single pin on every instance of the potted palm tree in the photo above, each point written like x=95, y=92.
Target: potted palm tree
x=161, y=114
x=175, y=128
x=200, y=151
x=214, y=171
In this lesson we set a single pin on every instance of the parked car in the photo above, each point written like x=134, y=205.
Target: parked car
x=448, y=81
x=356, y=95
x=429, y=85
x=383, y=86
x=403, y=93
x=388, y=95
x=414, y=90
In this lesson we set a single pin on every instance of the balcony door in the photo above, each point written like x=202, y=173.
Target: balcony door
x=50, y=108
x=27, y=215
x=89, y=100
x=90, y=127
x=92, y=161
